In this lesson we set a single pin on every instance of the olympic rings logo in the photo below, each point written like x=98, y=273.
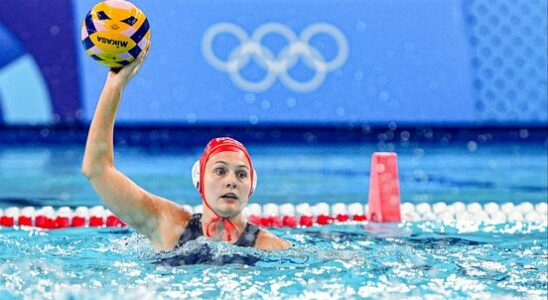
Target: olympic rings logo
x=276, y=66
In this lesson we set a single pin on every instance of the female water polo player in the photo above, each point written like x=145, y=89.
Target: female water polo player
x=224, y=177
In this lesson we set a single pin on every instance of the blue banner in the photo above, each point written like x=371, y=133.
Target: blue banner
x=281, y=62
x=312, y=62
x=39, y=75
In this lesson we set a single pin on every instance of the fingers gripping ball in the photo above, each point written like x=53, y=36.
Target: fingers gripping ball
x=114, y=32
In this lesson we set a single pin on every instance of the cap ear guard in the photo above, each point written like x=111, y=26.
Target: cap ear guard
x=196, y=177
x=254, y=185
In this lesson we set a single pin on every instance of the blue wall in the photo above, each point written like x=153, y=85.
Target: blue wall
x=508, y=43
x=413, y=62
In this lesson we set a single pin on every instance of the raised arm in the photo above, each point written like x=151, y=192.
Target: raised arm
x=159, y=219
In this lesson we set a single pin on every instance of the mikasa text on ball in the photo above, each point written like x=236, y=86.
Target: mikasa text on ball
x=114, y=32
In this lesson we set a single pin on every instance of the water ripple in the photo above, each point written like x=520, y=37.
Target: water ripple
x=413, y=260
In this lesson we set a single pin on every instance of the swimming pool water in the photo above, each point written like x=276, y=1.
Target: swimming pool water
x=291, y=173
x=336, y=262
x=411, y=260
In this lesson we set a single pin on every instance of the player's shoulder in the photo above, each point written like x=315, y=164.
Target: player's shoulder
x=268, y=241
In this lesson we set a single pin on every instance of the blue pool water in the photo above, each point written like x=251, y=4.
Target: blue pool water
x=344, y=262
x=291, y=173
x=412, y=260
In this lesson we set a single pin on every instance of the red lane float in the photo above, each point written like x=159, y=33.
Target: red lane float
x=48, y=218
x=269, y=215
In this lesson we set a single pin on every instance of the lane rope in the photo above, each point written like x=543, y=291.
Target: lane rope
x=291, y=215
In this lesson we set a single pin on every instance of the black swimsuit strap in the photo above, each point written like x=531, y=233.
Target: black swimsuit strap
x=249, y=235
x=193, y=230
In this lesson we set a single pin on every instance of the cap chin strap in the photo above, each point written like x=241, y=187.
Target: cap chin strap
x=227, y=224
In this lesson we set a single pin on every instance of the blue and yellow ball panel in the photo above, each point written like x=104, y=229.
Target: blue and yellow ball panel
x=114, y=32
